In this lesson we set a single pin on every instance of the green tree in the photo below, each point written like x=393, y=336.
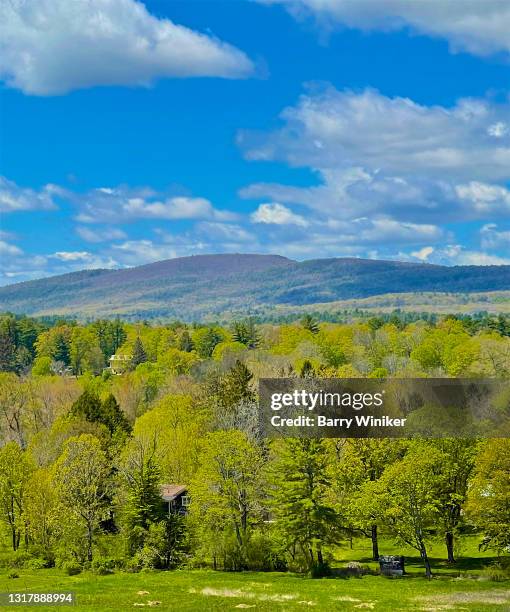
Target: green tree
x=15, y=471
x=459, y=455
x=113, y=417
x=81, y=479
x=139, y=354
x=489, y=494
x=405, y=498
x=185, y=342
x=8, y=344
x=42, y=366
x=355, y=462
x=61, y=351
x=142, y=476
x=235, y=386
x=88, y=406
x=310, y=324
x=300, y=498
x=205, y=340
x=246, y=333
x=225, y=497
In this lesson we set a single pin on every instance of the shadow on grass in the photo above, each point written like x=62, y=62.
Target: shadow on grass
x=414, y=565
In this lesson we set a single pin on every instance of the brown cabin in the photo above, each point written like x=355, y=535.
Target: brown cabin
x=177, y=498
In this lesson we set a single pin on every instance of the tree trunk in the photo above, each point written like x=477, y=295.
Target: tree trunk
x=375, y=543
x=89, y=543
x=425, y=559
x=449, y=546
x=320, y=559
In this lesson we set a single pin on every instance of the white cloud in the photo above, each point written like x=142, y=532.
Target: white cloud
x=486, y=200
x=137, y=252
x=478, y=26
x=9, y=249
x=423, y=254
x=100, y=235
x=390, y=157
x=14, y=198
x=224, y=232
x=492, y=238
x=51, y=47
x=278, y=214
x=84, y=260
x=458, y=255
x=123, y=204
x=72, y=255
x=394, y=136
x=498, y=130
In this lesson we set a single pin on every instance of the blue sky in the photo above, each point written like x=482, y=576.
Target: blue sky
x=133, y=132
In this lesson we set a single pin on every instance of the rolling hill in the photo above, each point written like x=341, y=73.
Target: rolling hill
x=191, y=288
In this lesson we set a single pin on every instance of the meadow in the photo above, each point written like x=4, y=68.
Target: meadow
x=465, y=586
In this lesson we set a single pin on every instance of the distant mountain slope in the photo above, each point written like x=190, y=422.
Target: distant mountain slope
x=208, y=285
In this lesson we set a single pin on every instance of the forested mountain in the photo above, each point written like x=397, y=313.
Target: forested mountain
x=191, y=287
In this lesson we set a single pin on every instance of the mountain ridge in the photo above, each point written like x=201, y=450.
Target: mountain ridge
x=192, y=287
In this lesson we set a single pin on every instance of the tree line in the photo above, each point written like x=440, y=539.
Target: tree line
x=84, y=452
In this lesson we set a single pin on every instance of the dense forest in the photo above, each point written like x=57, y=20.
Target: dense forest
x=88, y=441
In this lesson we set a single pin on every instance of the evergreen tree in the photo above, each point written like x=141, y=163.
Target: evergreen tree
x=307, y=369
x=113, y=417
x=235, y=386
x=88, y=406
x=246, y=333
x=7, y=351
x=185, y=342
x=139, y=354
x=61, y=351
x=304, y=518
x=309, y=323
x=144, y=504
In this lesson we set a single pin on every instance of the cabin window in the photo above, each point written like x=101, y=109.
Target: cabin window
x=185, y=501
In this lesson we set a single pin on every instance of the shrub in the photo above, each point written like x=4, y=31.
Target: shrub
x=36, y=563
x=18, y=559
x=103, y=566
x=495, y=573
x=12, y=574
x=320, y=570
x=71, y=568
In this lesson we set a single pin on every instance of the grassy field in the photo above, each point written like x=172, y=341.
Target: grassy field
x=459, y=588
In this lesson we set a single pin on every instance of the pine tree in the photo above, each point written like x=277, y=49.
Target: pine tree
x=235, y=386
x=61, y=351
x=307, y=369
x=139, y=354
x=246, y=333
x=304, y=518
x=185, y=342
x=113, y=417
x=144, y=504
x=309, y=323
x=88, y=406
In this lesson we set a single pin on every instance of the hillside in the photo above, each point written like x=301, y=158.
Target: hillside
x=217, y=285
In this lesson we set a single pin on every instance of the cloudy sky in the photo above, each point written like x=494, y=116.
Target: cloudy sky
x=133, y=132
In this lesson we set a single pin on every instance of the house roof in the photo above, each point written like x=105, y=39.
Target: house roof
x=170, y=491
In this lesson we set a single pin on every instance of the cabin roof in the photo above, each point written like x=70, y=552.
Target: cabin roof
x=170, y=491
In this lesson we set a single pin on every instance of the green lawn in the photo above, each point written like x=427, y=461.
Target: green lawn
x=451, y=589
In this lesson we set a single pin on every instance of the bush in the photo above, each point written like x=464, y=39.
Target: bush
x=71, y=568
x=12, y=574
x=17, y=560
x=320, y=570
x=263, y=555
x=37, y=563
x=103, y=566
x=495, y=573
